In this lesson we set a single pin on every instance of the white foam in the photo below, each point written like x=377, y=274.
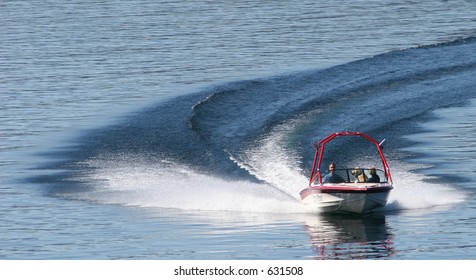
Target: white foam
x=269, y=160
x=134, y=182
x=414, y=191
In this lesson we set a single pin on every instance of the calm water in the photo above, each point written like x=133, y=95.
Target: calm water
x=182, y=129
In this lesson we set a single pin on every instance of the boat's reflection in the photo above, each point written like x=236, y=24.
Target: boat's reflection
x=349, y=237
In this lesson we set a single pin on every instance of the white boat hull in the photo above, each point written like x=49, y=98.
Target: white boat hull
x=341, y=201
x=322, y=203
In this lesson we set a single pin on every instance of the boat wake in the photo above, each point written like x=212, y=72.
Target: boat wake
x=246, y=146
x=138, y=183
x=413, y=191
x=133, y=182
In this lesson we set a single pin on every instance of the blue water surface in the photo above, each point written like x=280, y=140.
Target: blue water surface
x=183, y=129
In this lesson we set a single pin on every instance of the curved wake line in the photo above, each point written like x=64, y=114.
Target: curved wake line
x=407, y=76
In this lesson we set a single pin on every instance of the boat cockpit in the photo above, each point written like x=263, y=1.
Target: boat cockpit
x=353, y=175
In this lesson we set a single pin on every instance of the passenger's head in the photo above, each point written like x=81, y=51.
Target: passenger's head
x=357, y=171
x=372, y=171
x=332, y=166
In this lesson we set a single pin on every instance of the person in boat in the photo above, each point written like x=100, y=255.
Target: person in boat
x=374, y=177
x=359, y=175
x=332, y=177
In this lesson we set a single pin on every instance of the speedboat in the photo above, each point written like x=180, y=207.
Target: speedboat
x=348, y=190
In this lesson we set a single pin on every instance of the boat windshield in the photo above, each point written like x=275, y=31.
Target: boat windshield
x=354, y=175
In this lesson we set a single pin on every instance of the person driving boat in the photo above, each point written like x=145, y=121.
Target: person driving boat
x=332, y=177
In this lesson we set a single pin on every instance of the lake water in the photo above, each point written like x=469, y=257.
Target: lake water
x=182, y=129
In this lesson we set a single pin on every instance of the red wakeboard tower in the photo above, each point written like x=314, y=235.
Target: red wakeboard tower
x=320, y=153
